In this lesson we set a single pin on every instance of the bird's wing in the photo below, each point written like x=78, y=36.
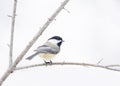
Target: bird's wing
x=44, y=49
x=47, y=49
x=31, y=56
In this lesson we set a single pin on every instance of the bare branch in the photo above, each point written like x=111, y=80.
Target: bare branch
x=12, y=33
x=66, y=10
x=69, y=63
x=113, y=65
x=8, y=45
x=100, y=61
x=9, y=16
x=19, y=58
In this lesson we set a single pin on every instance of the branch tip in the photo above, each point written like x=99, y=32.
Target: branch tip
x=66, y=10
x=100, y=61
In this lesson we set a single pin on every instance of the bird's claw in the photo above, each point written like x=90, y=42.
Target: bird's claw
x=48, y=63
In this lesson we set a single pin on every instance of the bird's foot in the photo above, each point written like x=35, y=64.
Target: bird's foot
x=48, y=63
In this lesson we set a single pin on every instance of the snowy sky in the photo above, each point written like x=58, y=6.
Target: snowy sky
x=91, y=32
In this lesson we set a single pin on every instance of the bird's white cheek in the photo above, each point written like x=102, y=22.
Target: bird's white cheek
x=54, y=41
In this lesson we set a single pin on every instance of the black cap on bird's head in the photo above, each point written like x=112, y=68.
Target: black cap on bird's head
x=58, y=38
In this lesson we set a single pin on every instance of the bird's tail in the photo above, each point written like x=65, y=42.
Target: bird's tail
x=30, y=57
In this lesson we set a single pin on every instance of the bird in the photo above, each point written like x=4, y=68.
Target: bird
x=48, y=50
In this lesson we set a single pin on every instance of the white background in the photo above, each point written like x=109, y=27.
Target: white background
x=91, y=32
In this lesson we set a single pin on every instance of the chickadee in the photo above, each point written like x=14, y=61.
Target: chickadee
x=49, y=49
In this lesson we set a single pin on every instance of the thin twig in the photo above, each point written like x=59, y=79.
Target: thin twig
x=19, y=58
x=66, y=10
x=9, y=16
x=12, y=33
x=100, y=61
x=68, y=63
x=114, y=65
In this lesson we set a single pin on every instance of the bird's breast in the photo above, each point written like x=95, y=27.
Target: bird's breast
x=46, y=56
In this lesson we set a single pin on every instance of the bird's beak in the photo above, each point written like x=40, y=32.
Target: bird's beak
x=63, y=41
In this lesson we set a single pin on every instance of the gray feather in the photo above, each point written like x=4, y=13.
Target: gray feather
x=47, y=49
x=30, y=57
x=44, y=49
